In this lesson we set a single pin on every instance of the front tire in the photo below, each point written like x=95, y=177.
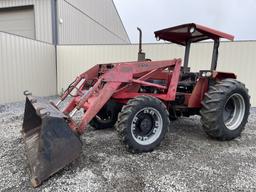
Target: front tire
x=225, y=109
x=143, y=123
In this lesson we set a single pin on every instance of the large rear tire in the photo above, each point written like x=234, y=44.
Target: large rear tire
x=225, y=109
x=143, y=123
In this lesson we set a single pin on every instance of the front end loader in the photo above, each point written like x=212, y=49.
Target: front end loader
x=139, y=98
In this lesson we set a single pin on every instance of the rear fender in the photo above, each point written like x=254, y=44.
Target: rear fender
x=198, y=93
x=222, y=75
x=202, y=86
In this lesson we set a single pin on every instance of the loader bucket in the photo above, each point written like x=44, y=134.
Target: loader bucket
x=50, y=143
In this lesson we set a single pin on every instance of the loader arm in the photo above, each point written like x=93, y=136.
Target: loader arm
x=110, y=82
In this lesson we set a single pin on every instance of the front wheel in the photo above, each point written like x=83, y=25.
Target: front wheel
x=225, y=110
x=143, y=123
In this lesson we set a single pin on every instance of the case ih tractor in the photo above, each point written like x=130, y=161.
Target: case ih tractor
x=139, y=98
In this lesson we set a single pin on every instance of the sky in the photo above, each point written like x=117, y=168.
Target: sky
x=237, y=17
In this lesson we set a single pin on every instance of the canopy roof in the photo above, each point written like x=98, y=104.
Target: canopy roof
x=190, y=32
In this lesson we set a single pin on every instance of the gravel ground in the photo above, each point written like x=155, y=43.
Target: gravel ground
x=186, y=161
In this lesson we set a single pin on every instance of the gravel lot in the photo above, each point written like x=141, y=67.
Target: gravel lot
x=187, y=161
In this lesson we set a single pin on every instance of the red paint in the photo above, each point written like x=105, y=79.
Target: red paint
x=222, y=75
x=197, y=95
x=121, y=82
x=181, y=34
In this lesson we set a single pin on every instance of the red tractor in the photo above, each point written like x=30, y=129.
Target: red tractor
x=138, y=98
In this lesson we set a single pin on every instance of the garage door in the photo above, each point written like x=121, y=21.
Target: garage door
x=18, y=20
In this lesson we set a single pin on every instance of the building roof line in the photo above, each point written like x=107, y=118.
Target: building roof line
x=163, y=43
x=121, y=21
x=95, y=21
x=24, y=37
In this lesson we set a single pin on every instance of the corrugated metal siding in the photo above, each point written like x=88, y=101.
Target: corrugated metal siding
x=43, y=16
x=238, y=57
x=18, y=21
x=25, y=64
x=90, y=22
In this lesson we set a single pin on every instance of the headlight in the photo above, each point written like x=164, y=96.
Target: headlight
x=207, y=74
x=192, y=30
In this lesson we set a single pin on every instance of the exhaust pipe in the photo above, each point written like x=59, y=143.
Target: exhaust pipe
x=141, y=55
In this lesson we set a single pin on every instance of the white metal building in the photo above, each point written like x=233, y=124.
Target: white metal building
x=64, y=21
x=83, y=31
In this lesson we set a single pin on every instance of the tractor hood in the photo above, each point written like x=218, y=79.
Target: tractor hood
x=190, y=32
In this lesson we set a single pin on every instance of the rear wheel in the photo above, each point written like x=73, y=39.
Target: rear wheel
x=143, y=123
x=225, y=109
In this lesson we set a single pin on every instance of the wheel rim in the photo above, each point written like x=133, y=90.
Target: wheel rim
x=234, y=111
x=147, y=125
x=104, y=116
